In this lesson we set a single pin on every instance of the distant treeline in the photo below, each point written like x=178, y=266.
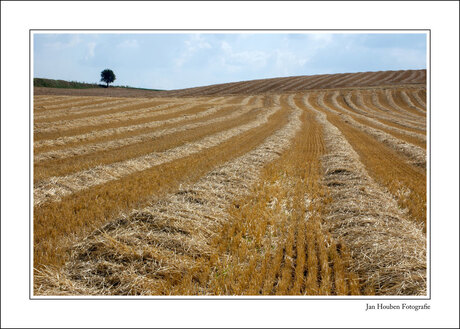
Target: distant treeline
x=51, y=83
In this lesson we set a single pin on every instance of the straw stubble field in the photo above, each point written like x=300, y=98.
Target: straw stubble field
x=290, y=186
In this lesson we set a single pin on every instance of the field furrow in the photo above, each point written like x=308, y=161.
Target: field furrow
x=58, y=109
x=131, y=114
x=137, y=125
x=47, y=149
x=354, y=79
x=391, y=76
x=364, y=80
x=414, y=154
x=349, y=107
x=118, y=143
x=420, y=97
x=364, y=100
x=57, y=187
x=408, y=101
x=380, y=101
x=405, y=181
x=94, y=126
x=390, y=258
x=372, y=78
x=308, y=83
x=40, y=99
x=395, y=102
x=411, y=77
x=182, y=223
x=57, y=101
x=134, y=148
x=307, y=185
x=402, y=101
x=273, y=240
x=290, y=84
x=108, y=105
x=186, y=223
x=90, y=208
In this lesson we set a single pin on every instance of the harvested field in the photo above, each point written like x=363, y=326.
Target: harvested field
x=309, y=185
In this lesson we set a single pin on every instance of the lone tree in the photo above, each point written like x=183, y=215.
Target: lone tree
x=108, y=76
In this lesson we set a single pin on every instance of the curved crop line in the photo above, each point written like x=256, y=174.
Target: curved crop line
x=378, y=111
x=179, y=226
x=45, y=127
x=112, y=131
x=61, y=101
x=291, y=83
x=391, y=101
x=375, y=119
x=371, y=78
x=420, y=101
x=392, y=77
x=61, y=108
x=354, y=79
x=91, y=108
x=103, y=106
x=391, y=111
x=363, y=204
x=56, y=187
x=413, y=75
x=364, y=80
x=415, y=154
x=112, y=144
x=409, y=102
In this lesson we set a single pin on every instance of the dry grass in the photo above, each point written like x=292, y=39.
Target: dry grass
x=294, y=194
x=96, y=107
x=405, y=181
x=390, y=258
x=341, y=107
x=414, y=154
x=390, y=101
x=273, y=242
x=87, y=209
x=175, y=143
x=137, y=136
x=100, y=120
x=105, y=134
x=350, y=103
x=379, y=101
x=364, y=102
x=52, y=188
x=397, y=99
x=269, y=242
x=129, y=123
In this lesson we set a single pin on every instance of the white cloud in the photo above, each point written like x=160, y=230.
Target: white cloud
x=91, y=47
x=321, y=39
x=132, y=43
x=195, y=43
x=225, y=46
x=287, y=62
x=59, y=45
x=234, y=60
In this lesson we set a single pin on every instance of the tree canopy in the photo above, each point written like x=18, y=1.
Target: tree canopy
x=108, y=76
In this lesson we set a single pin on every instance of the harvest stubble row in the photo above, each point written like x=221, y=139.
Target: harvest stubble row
x=285, y=279
x=90, y=208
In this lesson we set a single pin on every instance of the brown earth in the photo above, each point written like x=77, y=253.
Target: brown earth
x=308, y=185
x=274, y=85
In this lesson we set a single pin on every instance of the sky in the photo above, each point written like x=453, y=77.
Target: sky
x=183, y=60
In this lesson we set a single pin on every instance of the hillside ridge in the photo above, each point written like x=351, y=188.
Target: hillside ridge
x=261, y=86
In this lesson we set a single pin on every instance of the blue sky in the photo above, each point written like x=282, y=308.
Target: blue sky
x=181, y=60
